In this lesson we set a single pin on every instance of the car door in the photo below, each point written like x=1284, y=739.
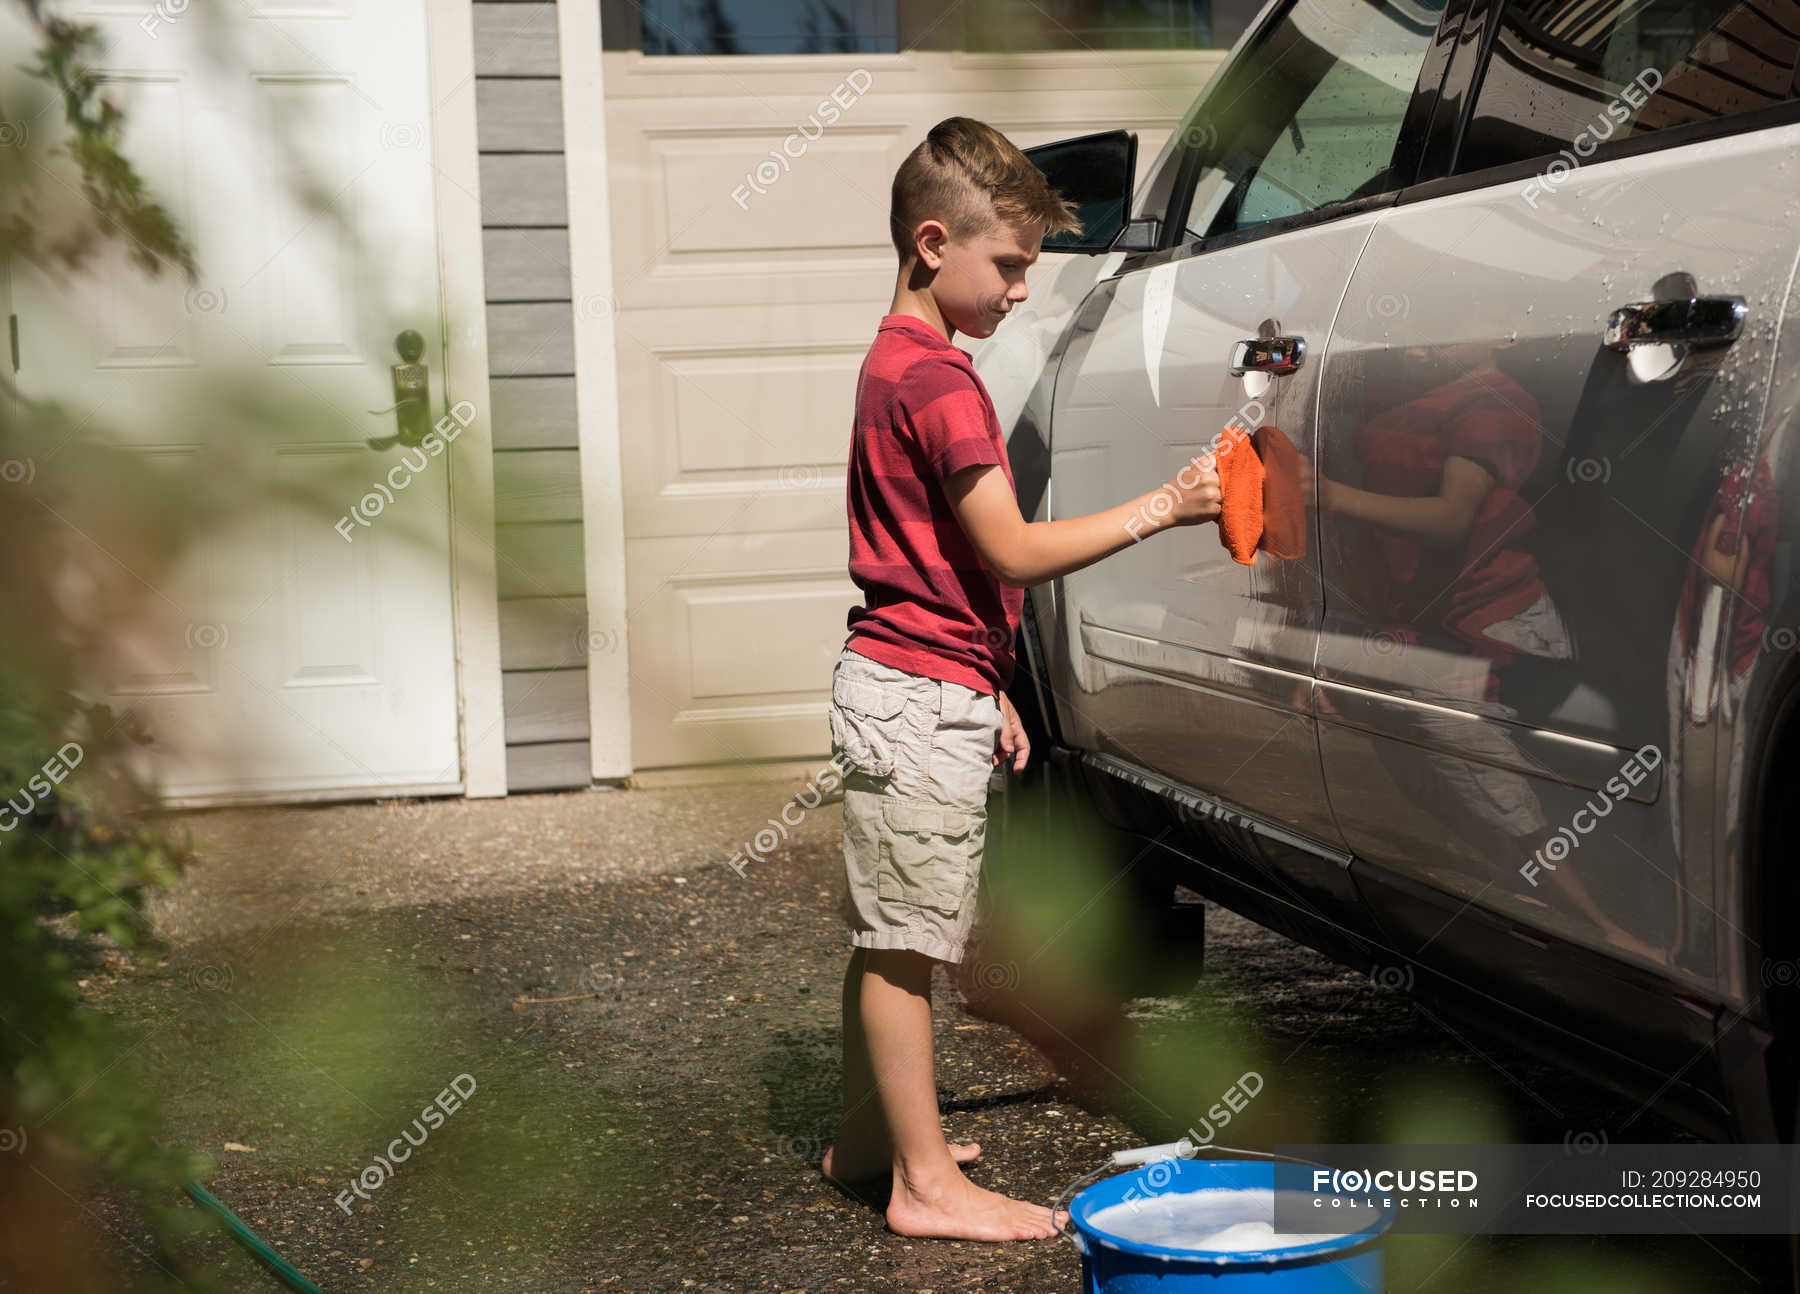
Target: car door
x=1539, y=419
x=1175, y=659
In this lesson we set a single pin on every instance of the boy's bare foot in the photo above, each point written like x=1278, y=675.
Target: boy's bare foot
x=954, y=1208
x=858, y=1168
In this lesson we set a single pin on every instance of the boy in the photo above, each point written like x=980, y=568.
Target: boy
x=919, y=713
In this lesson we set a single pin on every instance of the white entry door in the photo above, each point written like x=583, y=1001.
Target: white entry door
x=304, y=651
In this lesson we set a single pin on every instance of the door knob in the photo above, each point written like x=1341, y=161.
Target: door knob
x=1275, y=354
x=412, y=395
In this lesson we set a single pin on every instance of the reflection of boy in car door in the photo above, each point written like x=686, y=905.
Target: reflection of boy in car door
x=1441, y=476
x=1441, y=479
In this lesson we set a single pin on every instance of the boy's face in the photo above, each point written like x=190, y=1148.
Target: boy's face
x=975, y=282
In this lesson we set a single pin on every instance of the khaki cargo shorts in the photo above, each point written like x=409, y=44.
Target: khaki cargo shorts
x=917, y=755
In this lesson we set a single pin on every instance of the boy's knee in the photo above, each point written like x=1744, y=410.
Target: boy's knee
x=901, y=965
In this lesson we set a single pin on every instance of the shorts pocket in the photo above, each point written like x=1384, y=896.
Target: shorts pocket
x=867, y=723
x=927, y=853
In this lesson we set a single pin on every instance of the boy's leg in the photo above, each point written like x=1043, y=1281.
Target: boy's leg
x=910, y=845
x=931, y=1197
x=896, y=1015
x=861, y=1147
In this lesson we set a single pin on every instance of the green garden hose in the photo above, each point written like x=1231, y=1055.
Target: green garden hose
x=274, y=1261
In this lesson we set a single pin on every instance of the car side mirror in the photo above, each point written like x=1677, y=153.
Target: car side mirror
x=1095, y=172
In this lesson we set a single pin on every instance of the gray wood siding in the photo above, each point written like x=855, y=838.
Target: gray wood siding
x=516, y=40
x=540, y=561
x=547, y=765
x=533, y=412
x=536, y=339
x=533, y=264
x=523, y=190
x=531, y=365
x=544, y=633
x=537, y=485
x=546, y=704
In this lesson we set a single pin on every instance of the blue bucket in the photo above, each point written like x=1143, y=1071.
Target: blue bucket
x=1111, y=1264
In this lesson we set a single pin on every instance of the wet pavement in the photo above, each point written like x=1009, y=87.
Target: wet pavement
x=641, y=1051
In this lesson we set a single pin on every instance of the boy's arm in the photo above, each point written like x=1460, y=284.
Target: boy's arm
x=1023, y=553
x=1443, y=518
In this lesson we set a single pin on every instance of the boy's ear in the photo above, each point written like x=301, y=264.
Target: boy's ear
x=929, y=240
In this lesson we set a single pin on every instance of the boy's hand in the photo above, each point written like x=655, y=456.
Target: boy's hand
x=1013, y=740
x=1195, y=489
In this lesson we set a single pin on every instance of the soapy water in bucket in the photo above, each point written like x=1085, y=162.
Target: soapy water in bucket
x=1213, y=1221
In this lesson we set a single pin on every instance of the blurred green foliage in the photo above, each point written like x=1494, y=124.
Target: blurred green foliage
x=80, y=842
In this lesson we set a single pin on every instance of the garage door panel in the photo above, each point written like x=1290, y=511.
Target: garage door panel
x=745, y=630
x=771, y=199
x=749, y=436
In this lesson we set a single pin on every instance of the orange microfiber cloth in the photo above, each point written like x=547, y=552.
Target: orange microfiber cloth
x=1240, y=494
x=1283, y=508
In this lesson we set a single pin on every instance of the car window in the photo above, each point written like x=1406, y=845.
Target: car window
x=1312, y=113
x=1565, y=74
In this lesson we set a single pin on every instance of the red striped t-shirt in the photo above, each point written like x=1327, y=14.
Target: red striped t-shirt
x=930, y=606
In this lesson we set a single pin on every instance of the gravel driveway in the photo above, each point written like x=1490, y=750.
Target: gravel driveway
x=644, y=1050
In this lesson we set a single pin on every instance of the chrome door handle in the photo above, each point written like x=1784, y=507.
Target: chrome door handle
x=1677, y=321
x=1267, y=355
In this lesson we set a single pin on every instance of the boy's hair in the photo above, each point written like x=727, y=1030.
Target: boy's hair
x=974, y=179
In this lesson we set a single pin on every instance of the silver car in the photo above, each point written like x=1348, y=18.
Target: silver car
x=1514, y=720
